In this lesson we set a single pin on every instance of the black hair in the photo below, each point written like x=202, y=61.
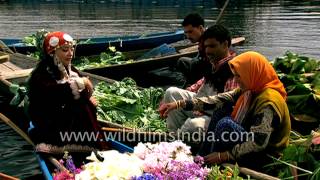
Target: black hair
x=219, y=32
x=47, y=63
x=193, y=19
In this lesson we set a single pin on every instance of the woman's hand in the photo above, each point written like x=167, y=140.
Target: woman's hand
x=94, y=101
x=164, y=109
x=216, y=158
x=88, y=85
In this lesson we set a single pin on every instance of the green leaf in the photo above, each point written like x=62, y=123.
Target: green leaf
x=311, y=65
x=125, y=103
x=299, y=89
x=297, y=67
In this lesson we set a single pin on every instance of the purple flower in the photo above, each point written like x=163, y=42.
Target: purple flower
x=199, y=160
x=171, y=161
x=145, y=176
x=70, y=165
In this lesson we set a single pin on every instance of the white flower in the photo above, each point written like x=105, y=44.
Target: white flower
x=114, y=166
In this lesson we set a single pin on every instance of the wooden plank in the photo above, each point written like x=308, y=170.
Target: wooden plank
x=5, y=48
x=4, y=58
x=189, y=49
x=23, y=61
x=4, y=69
x=11, y=66
x=16, y=74
x=237, y=40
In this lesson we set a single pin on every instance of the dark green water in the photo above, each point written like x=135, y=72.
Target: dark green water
x=16, y=156
x=269, y=26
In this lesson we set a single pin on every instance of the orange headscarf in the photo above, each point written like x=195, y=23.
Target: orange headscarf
x=257, y=74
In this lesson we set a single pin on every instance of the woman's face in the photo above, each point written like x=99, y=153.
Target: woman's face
x=239, y=81
x=65, y=54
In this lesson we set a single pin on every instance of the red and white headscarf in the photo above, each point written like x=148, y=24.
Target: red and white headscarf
x=54, y=40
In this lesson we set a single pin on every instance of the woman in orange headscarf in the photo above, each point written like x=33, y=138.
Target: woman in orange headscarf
x=259, y=122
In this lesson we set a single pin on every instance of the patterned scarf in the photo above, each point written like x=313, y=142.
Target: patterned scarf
x=76, y=82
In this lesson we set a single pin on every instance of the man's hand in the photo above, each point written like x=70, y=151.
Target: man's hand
x=198, y=113
x=216, y=158
x=164, y=109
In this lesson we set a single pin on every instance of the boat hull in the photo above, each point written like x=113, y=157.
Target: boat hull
x=100, y=44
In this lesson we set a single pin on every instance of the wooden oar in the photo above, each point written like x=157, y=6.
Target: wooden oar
x=7, y=177
x=26, y=137
x=222, y=11
x=16, y=128
x=5, y=48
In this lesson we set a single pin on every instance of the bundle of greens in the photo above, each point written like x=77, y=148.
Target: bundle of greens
x=301, y=77
x=36, y=40
x=124, y=103
x=110, y=57
x=302, y=154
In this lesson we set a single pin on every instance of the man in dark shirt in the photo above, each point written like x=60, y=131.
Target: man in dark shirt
x=194, y=68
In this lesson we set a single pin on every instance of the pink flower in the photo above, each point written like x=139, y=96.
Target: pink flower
x=64, y=175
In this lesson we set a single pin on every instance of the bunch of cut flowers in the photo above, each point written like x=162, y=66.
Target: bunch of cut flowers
x=164, y=160
x=170, y=160
x=70, y=169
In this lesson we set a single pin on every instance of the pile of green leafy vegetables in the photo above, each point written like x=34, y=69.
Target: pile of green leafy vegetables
x=302, y=154
x=110, y=57
x=301, y=77
x=124, y=103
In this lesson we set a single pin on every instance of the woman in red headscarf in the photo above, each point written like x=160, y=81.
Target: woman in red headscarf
x=61, y=101
x=259, y=122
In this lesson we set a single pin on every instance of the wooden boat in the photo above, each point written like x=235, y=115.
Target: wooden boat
x=45, y=160
x=7, y=177
x=138, y=70
x=96, y=45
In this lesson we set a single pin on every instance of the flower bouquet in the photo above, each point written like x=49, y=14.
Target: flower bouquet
x=164, y=160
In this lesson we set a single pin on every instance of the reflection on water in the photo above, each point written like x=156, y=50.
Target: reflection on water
x=16, y=155
x=269, y=26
